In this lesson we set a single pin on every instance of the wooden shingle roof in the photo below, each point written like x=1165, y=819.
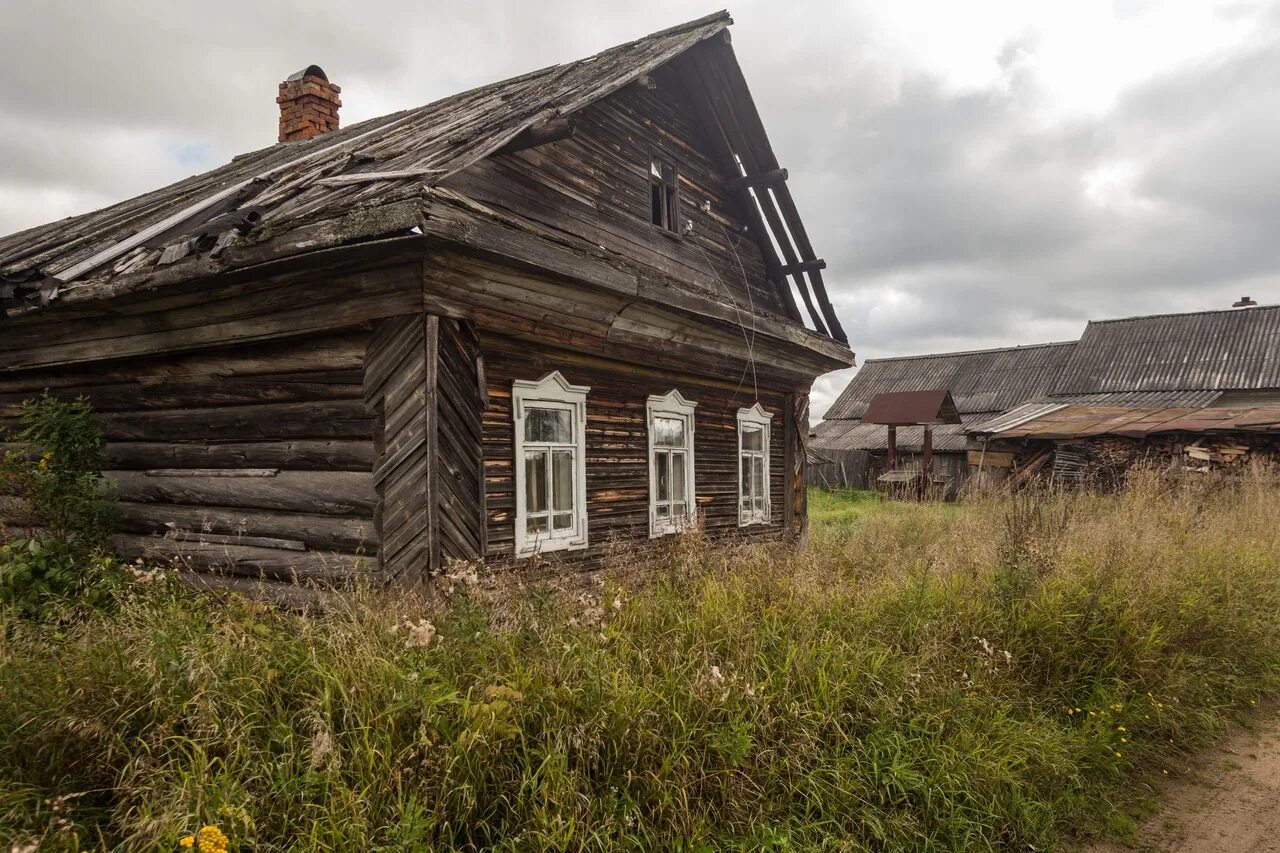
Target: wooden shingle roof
x=370, y=180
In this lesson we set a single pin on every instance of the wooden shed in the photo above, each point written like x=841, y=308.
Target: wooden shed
x=574, y=307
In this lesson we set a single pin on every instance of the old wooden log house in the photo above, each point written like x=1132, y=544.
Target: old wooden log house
x=571, y=308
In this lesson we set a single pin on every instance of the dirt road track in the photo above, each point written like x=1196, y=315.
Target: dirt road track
x=1229, y=802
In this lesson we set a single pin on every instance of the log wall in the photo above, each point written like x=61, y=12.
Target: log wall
x=617, y=447
x=252, y=459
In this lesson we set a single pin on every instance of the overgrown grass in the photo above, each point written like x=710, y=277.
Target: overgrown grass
x=995, y=675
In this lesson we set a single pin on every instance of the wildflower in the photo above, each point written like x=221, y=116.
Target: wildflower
x=1121, y=729
x=1165, y=772
x=211, y=840
x=1077, y=710
x=1124, y=740
x=1118, y=755
x=1253, y=701
x=420, y=635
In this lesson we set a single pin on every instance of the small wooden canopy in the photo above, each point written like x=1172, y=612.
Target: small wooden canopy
x=906, y=408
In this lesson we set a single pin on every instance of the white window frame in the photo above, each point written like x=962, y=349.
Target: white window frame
x=552, y=391
x=671, y=405
x=754, y=416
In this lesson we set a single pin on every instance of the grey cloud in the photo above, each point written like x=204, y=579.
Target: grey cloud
x=949, y=219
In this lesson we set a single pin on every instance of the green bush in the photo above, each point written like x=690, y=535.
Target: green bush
x=984, y=676
x=57, y=471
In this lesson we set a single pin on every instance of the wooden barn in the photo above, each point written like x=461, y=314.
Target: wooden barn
x=1197, y=391
x=571, y=308
x=983, y=383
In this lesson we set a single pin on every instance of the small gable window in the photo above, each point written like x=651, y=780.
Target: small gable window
x=671, y=489
x=550, y=443
x=753, y=465
x=664, y=196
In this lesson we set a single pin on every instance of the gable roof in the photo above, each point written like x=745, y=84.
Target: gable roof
x=990, y=380
x=1203, y=351
x=367, y=178
x=902, y=408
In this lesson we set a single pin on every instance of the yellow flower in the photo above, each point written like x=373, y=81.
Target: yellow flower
x=188, y=841
x=1165, y=772
x=1118, y=755
x=1121, y=729
x=1124, y=740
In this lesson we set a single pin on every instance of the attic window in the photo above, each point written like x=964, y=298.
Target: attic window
x=664, y=197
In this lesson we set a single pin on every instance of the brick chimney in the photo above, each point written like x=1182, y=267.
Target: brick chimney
x=308, y=105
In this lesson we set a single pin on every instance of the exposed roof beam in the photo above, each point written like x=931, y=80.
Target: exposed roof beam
x=769, y=178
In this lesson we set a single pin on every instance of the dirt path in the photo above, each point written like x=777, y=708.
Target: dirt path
x=1228, y=801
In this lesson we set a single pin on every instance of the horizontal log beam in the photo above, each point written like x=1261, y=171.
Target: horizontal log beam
x=323, y=492
x=762, y=179
x=248, y=560
x=552, y=130
x=316, y=532
x=797, y=268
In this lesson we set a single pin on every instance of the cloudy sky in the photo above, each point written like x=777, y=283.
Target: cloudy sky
x=976, y=174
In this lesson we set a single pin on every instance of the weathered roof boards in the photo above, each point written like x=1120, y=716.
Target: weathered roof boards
x=480, y=329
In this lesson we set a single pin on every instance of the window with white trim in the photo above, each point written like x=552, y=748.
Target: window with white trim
x=671, y=488
x=753, y=465
x=550, y=455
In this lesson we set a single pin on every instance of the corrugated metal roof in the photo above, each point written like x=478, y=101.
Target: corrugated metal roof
x=856, y=435
x=989, y=380
x=1140, y=398
x=1207, y=350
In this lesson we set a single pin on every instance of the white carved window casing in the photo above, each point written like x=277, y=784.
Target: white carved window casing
x=753, y=465
x=550, y=464
x=672, y=493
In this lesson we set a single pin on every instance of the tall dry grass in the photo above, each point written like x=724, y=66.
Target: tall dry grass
x=998, y=674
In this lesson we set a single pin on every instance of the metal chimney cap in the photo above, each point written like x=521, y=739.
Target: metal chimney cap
x=309, y=71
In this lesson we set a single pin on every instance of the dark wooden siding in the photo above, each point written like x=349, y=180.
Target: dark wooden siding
x=595, y=186
x=617, y=446
x=254, y=459
x=460, y=473
x=400, y=377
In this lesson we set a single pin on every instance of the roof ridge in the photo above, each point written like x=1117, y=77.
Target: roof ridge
x=1249, y=309
x=923, y=356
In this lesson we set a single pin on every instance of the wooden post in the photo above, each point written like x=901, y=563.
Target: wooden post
x=893, y=447
x=926, y=461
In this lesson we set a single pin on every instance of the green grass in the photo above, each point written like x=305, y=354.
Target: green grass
x=910, y=681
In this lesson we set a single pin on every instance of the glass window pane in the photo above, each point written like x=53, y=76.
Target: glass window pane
x=758, y=505
x=668, y=432
x=537, y=524
x=668, y=174
x=563, y=521
x=677, y=476
x=655, y=169
x=680, y=511
x=550, y=425
x=744, y=477
x=663, y=510
x=662, y=465
x=562, y=480
x=752, y=438
x=757, y=476
x=535, y=481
